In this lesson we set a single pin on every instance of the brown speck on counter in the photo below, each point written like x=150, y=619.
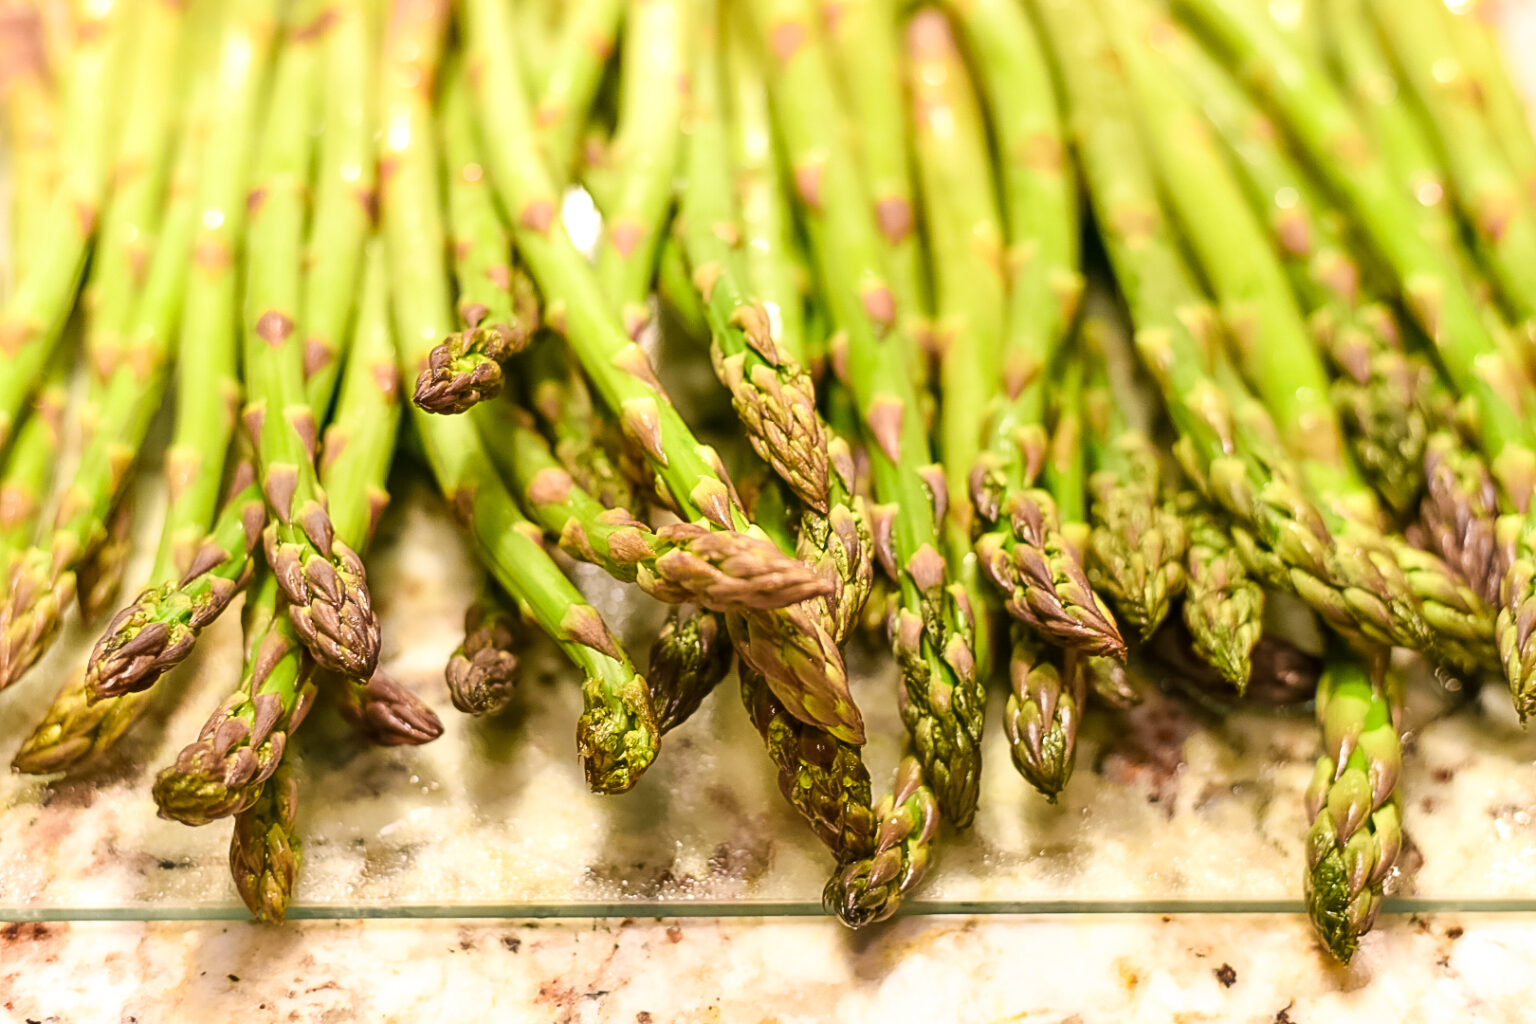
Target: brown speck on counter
x=511, y=943
x=24, y=931
x=1284, y=1016
x=1454, y=932
x=675, y=933
x=1226, y=975
x=643, y=1017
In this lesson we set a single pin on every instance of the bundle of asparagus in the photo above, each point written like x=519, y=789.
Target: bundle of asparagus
x=1025, y=441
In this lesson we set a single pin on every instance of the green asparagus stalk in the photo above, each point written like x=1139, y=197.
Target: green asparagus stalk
x=863, y=38
x=822, y=777
x=930, y=631
x=772, y=393
x=721, y=570
x=1043, y=710
x=197, y=572
x=555, y=389
x=482, y=672
x=1280, y=532
x=497, y=304
x=1137, y=544
x=1474, y=34
x=29, y=470
x=1223, y=605
x=35, y=313
x=321, y=577
x=582, y=50
x=1386, y=396
x=768, y=243
x=127, y=374
x=224, y=771
x=30, y=98
x=964, y=239
x=1355, y=810
x=1494, y=200
x=264, y=850
x=617, y=737
x=869, y=890
x=689, y=658
x=786, y=647
x=647, y=144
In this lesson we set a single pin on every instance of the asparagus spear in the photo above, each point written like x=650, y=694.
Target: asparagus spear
x=1492, y=197
x=198, y=572
x=721, y=570
x=29, y=470
x=126, y=373
x=772, y=393
x=868, y=890
x=1352, y=801
x=32, y=128
x=1386, y=396
x=1474, y=34
x=786, y=647
x=264, y=850
x=321, y=577
x=224, y=771
x=1137, y=544
x=482, y=672
x=689, y=657
x=931, y=628
x=1485, y=377
x=1223, y=606
x=357, y=449
x=964, y=239
x=647, y=143
x=1461, y=506
x=617, y=737
x=1280, y=532
x=863, y=39
x=555, y=389
x=581, y=53
x=822, y=777
x=497, y=305
x=35, y=313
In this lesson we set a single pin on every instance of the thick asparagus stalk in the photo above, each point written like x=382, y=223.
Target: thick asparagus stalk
x=689, y=657
x=34, y=315
x=617, y=737
x=126, y=373
x=930, y=629
x=264, y=850
x=482, y=672
x=1355, y=810
x=647, y=144
x=689, y=474
x=1279, y=531
x=771, y=391
x=1137, y=544
x=868, y=890
x=497, y=305
x=321, y=577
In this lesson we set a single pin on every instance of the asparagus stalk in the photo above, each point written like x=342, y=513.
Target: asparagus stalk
x=964, y=237
x=30, y=98
x=931, y=628
x=1492, y=197
x=1280, y=532
x=772, y=393
x=863, y=39
x=35, y=313
x=1353, y=803
x=786, y=646
x=482, y=672
x=29, y=470
x=127, y=374
x=1137, y=544
x=689, y=658
x=1223, y=605
x=321, y=577
x=868, y=890
x=721, y=570
x=617, y=737
x=497, y=305
x=264, y=849
x=1474, y=34
x=581, y=53
x=654, y=80
x=224, y=771
x=198, y=573
x=1386, y=397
